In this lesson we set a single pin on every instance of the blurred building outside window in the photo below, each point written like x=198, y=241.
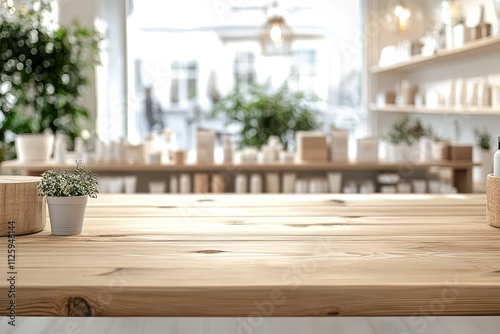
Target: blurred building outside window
x=191, y=66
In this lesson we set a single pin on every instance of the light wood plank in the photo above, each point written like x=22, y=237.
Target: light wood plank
x=344, y=325
x=188, y=325
x=458, y=325
x=155, y=325
x=383, y=325
x=28, y=325
x=489, y=325
x=222, y=325
x=422, y=324
x=288, y=200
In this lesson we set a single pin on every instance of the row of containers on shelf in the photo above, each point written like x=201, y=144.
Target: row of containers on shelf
x=311, y=146
x=458, y=93
x=271, y=182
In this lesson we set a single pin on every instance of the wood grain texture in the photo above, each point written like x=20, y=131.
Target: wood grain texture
x=461, y=170
x=20, y=204
x=266, y=255
x=14, y=165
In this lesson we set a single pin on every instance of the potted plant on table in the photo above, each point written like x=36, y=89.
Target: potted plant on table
x=44, y=68
x=67, y=192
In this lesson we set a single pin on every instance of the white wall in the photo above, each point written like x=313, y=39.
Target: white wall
x=112, y=91
x=105, y=96
x=85, y=12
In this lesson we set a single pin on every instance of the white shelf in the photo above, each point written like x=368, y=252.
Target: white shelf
x=481, y=45
x=38, y=167
x=484, y=111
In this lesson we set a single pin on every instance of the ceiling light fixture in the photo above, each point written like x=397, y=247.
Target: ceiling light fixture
x=275, y=34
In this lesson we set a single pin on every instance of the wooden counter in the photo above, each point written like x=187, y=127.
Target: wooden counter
x=461, y=171
x=270, y=255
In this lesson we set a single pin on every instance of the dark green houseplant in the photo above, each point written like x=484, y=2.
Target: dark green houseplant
x=44, y=70
x=482, y=138
x=261, y=112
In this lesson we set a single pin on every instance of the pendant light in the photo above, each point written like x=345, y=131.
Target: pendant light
x=275, y=35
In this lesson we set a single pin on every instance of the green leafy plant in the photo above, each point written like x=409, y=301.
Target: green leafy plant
x=261, y=113
x=483, y=138
x=44, y=70
x=68, y=183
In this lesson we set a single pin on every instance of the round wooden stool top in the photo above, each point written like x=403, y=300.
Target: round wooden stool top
x=22, y=211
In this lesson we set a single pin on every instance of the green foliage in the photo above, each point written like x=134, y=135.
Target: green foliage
x=6, y=151
x=483, y=138
x=67, y=183
x=43, y=73
x=262, y=113
x=404, y=132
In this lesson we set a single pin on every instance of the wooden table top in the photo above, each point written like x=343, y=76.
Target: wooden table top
x=264, y=255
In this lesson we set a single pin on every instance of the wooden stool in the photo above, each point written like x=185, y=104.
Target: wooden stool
x=20, y=204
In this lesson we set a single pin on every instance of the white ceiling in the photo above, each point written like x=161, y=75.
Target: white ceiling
x=305, y=17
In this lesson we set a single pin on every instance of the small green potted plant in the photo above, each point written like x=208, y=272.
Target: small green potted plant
x=408, y=140
x=398, y=140
x=67, y=192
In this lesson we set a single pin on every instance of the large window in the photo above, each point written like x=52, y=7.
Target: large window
x=184, y=82
x=192, y=59
x=244, y=69
x=304, y=69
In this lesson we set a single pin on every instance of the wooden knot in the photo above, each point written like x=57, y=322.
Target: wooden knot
x=329, y=312
x=332, y=313
x=78, y=307
x=209, y=251
x=338, y=201
x=236, y=222
x=298, y=225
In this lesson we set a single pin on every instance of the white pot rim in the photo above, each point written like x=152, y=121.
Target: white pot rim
x=69, y=200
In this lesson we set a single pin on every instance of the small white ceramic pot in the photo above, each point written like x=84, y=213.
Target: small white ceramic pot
x=67, y=214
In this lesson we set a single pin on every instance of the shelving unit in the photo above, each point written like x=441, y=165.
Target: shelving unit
x=461, y=176
x=469, y=49
x=37, y=167
x=486, y=111
x=433, y=76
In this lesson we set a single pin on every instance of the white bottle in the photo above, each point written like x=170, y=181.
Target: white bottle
x=496, y=161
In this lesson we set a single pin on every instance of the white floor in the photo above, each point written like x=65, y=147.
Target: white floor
x=378, y=325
